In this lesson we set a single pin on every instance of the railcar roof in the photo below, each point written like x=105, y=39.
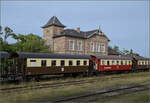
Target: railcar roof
x=113, y=57
x=4, y=54
x=137, y=57
x=51, y=55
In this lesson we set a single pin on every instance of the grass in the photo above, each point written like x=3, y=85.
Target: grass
x=137, y=97
x=50, y=94
x=33, y=83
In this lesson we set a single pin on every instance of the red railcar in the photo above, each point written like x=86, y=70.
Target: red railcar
x=113, y=63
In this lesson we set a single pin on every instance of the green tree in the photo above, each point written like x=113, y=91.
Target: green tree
x=116, y=48
x=1, y=33
x=29, y=43
x=8, y=32
x=4, y=46
x=124, y=51
x=131, y=51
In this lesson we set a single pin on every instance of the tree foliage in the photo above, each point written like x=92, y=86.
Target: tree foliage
x=116, y=48
x=30, y=43
x=122, y=52
x=25, y=43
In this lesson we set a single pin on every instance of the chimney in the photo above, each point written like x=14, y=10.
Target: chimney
x=78, y=29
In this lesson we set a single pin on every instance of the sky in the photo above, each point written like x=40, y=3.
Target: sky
x=126, y=23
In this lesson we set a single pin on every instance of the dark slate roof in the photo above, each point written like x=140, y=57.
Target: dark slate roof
x=112, y=52
x=51, y=55
x=114, y=57
x=81, y=34
x=53, y=21
x=4, y=54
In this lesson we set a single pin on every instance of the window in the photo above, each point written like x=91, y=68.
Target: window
x=103, y=47
x=103, y=62
x=85, y=63
x=80, y=45
x=70, y=62
x=108, y=63
x=47, y=31
x=53, y=62
x=62, y=62
x=43, y=63
x=97, y=47
x=143, y=63
x=125, y=62
x=71, y=45
x=55, y=30
x=48, y=43
x=129, y=62
x=113, y=63
x=121, y=62
x=92, y=47
x=117, y=62
x=78, y=62
x=32, y=63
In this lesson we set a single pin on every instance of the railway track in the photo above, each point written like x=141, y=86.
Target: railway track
x=56, y=85
x=104, y=93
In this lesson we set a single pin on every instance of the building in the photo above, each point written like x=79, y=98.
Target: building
x=71, y=41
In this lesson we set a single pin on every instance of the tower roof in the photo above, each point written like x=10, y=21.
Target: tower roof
x=53, y=21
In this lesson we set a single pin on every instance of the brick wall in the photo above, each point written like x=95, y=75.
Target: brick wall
x=62, y=45
x=96, y=39
x=48, y=34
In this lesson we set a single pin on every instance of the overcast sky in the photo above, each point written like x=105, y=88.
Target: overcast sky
x=126, y=23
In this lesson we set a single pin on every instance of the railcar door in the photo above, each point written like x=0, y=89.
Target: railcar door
x=134, y=64
x=93, y=65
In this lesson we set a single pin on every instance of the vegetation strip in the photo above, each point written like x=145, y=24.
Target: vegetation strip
x=55, y=85
x=131, y=87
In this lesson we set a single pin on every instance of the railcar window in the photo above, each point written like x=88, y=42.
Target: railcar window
x=103, y=62
x=125, y=62
x=53, y=62
x=85, y=62
x=62, y=63
x=143, y=63
x=70, y=62
x=108, y=63
x=129, y=62
x=43, y=63
x=139, y=63
x=113, y=63
x=121, y=62
x=32, y=63
x=78, y=62
x=117, y=62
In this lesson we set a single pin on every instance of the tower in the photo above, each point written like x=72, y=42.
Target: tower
x=52, y=27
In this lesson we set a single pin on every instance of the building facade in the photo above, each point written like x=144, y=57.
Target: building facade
x=71, y=41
